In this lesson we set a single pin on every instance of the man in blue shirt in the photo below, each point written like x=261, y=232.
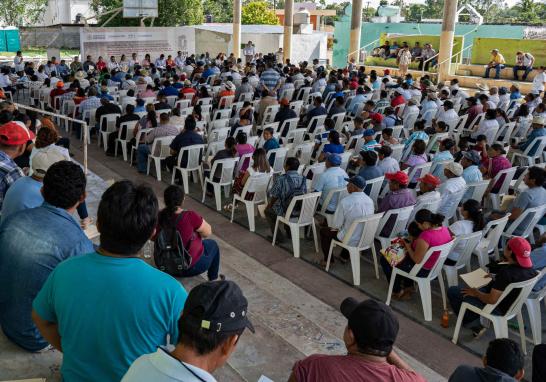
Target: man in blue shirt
x=187, y=137
x=358, y=99
x=317, y=110
x=270, y=143
x=168, y=90
x=537, y=131
x=333, y=177
x=269, y=79
x=34, y=242
x=105, y=309
x=368, y=165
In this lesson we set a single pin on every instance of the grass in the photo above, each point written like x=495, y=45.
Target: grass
x=41, y=52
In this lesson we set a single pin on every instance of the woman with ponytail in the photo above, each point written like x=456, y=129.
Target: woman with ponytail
x=472, y=221
x=433, y=234
x=193, y=230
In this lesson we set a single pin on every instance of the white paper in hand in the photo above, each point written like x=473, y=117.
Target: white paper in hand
x=263, y=378
x=477, y=278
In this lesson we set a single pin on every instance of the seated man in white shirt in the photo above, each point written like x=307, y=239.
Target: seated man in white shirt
x=452, y=190
x=333, y=177
x=386, y=163
x=428, y=186
x=446, y=114
x=354, y=206
x=214, y=318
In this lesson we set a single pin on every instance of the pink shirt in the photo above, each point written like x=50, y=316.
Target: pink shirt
x=349, y=368
x=434, y=238
x=242, y=150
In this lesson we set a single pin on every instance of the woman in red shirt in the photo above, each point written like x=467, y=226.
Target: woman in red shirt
x=100, y=64
x=193, y=230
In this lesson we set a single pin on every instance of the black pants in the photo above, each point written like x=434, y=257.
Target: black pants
x=539, y=363
x=328, y=234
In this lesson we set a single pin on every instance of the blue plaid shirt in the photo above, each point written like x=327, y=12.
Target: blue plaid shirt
x=9, y=173
x=88, y=104
x=270, y=78
x=282, y=189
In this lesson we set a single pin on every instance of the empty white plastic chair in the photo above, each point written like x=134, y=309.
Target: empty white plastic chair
x=476, y=190
x=303, y=219
x=227, y=167
x=470, y=241
x=280, y=156
x=424, y=283
x=315, y=170
x=368, y=225
x=193, y=155
x=525, y=159
x=530, y=217
x=500, y=323
x=533, y=310
x=489, y=243
x=160, y=151
x=257, y=185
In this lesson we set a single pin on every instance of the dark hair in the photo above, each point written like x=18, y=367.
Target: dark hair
x=498, y=147
x=491, y=114
x=425, y=216
x=269, y=130
x=419, y=125
x=386, y=151
x=329, y=124
x=333, y=136
x=537, y=174
x=442, y=125
x=64, y=184
x=127, y=217
x=523, y=110
x=419, y=147
x=292, y=163
x=448, y=143
x=130, y=109
x=475, y=213
x=241, y=138
x=388, y=131
x=203, y=341
x=413, y=229
x=505, y=355
x=45, y=137
x=369, y=157
x=230, y=143
x=448, y=104
x=190, y=123
x=173, y=197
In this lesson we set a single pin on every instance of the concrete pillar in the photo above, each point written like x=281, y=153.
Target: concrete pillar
x=446, y=39
x=236, y=28
x=288, y=28
x=356, y=26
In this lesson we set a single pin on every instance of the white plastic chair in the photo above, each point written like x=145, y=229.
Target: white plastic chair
x=108, y=123
x=470, y=241
x=500, y=323
x=315, y=169
x=373, y=187
x=138, y=139
x=368, y=225
x=402, y=216
x=489, y=243
x=431, y=205
x=340, y=192
x=533, y=310
x=419, y=171
x=524, y=159
x=160, y=151
x=532, y=216
x=424, y=283
x=194, y=153
x=305, y=218
x=303, y=151
x=280, y=156
x=288, y=125
x=476, y=190
x=508, y=174
x=129, y=127
x=397, y=151
x=227, y=166
x=436, y=138
x=256, y=184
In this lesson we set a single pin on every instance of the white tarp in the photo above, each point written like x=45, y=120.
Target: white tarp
x=114, y=41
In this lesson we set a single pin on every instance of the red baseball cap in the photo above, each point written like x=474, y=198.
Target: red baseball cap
x=387, y=72
x=15, y=133
x=430, y=179
x=399, y=176
x=376, y=117
x=284, y=102
x=522, y=250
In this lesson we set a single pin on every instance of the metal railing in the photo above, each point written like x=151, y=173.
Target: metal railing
x=361, y=48
x=83, y=124
x=438, y=64
x=427, y=60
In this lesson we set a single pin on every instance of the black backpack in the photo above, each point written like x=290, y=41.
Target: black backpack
x=294, y=191
x=170, y=254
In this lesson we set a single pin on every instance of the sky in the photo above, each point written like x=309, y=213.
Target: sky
x=375, y=3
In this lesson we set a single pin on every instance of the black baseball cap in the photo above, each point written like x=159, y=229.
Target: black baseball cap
x=218, y=306
x=373, y=324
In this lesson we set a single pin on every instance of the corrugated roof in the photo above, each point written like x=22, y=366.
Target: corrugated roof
x=228, y=28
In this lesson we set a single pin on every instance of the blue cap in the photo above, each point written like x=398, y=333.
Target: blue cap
x=369, y=133
x=334, y=159
x=358, y=181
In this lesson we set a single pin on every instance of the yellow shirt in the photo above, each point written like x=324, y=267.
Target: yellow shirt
x=498, y=59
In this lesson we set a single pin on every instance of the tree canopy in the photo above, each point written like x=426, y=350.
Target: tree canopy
x=19, y=12
x=258, y=12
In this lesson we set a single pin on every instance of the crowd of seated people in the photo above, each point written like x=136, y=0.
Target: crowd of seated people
x=363, y=144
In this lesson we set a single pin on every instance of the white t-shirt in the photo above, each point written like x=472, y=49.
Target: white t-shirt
x=388, y=165
x=538, y=82
x=487, y=127
x=460, y=227
x=163, y=367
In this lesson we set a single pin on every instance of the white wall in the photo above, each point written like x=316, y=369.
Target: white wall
x=306, y=47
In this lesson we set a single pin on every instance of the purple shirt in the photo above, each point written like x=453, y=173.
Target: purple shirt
x=242, y=150
x=415, y=160
x=397, y=199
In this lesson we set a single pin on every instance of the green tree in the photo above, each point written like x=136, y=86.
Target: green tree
x=219, y=9
x=18, y=12
x=414, y=12
x=258, y=12
x=527, y=11
x=170, y=13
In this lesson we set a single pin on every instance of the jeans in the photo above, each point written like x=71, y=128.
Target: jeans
x=497, y=68
x=405, y=265
x=539, y=366
x=82, y=210
x=527, y=69
x=456, y=299
x=209, y=261
x=142, y=157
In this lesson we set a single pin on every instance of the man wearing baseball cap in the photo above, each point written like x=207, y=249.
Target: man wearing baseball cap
x=399, y=195
x=26, y=191
x=452, y=190
x=333, y=177
x=428, y=190
x=13, y=139
x=369, y=140
x=215, y=316
x=369, y=337
x=352, y=207
x=518, y=267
